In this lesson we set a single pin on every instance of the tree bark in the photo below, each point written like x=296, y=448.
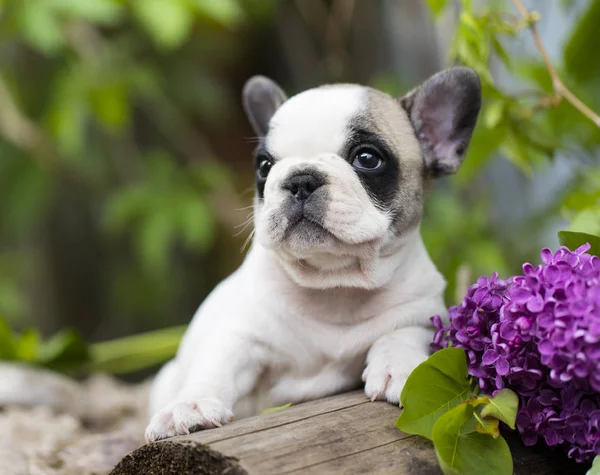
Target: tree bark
x=345, y=434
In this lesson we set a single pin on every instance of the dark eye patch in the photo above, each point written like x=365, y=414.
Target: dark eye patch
x=260, y=156
x=383, y=184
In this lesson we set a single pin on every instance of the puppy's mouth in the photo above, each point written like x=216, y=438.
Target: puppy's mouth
x=307, y=215
x=304, y=226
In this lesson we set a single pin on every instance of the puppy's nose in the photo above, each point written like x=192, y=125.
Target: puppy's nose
x=303, y=185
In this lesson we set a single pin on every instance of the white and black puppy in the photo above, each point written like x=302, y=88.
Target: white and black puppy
x=337, y=286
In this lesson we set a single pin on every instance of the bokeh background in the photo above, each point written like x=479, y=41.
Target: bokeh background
x=125, y=157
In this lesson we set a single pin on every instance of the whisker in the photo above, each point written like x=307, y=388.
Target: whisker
x=248, y=219
x=253, y=139
x=245, y=208
x=247, y=191
x=247, y=241
x=241, y=231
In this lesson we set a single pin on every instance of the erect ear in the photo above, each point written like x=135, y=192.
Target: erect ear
x=443, y=111
x=261, y=98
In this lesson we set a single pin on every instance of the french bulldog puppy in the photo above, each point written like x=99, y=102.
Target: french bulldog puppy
x=337, y=286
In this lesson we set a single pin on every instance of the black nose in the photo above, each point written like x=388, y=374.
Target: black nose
x=302, y=186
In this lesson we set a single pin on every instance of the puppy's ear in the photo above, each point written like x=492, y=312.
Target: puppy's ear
x=261, y=98
x=443, y=111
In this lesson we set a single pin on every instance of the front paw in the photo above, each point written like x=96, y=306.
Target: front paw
x=384, y=379
x=184, y=416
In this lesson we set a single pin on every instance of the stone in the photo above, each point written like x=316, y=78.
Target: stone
x=12, y=461
x=31, y=386
x=63, y=427
x=97, y=454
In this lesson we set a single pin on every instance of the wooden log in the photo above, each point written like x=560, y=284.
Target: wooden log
x=345, y=434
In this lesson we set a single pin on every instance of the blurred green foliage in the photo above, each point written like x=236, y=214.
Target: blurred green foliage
x=67, y=352
x=103, y=96
x=64, y=351
x=137, y=352
x=528, y=127
x=106, y=98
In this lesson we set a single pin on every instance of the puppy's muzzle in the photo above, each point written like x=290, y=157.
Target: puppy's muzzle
x=302, y=185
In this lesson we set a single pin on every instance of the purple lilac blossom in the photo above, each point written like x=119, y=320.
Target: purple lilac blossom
x=539, y=335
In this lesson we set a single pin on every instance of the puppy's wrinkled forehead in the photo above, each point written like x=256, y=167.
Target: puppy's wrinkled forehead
x=317, y=121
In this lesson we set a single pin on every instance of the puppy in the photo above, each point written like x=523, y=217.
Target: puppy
x=337, y=285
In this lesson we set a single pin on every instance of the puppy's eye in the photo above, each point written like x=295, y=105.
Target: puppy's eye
x=366, y=159
x=264, y=167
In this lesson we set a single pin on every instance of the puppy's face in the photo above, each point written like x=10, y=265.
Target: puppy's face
x=341, y=170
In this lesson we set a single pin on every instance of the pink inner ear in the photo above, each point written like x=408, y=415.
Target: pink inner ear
x=444, y=111
x=437, y=126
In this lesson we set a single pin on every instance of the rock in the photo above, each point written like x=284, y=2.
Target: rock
x=112, y=403
x=97, y=454
x=62, y=427
x=38, y=431
x=31, y=386
x=12, y=461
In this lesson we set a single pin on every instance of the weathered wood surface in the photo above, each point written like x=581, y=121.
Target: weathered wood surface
x=344, y=434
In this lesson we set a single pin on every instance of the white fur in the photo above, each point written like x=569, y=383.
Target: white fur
x=314, y=122
x=257, y=336
x=356, y=227
x=302, y=319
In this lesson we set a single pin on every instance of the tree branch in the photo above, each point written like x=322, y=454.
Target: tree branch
x=560, y=90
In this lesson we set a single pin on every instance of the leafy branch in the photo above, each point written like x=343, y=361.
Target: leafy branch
x=560, y=90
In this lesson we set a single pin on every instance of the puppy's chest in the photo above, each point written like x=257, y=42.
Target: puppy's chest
x=314, y=360
x=320, y=332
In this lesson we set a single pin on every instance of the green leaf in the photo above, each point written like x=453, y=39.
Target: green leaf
x=483, y=144
x=586, y=221
x=11, y=300
x=465, y=452
x=7, y=342
x=517, y=152
x=28, y=188
x=27, y=345
x=573, y=240
x=167, y=22
x=65, y=350
x=579, y=63
x=136, y=352
x=493, y=113
x=595, y=468
x=67, y=114
x=501, y=52
x=275, y=409
x=225, y=12
x=154, y=239
x=123, y=207
x=434, y=387
x=40, y=27
x=111, y=106
x=503, y=406
x=487, y=425
x=437, y=7
x=579, y=200
x=197, y=223
x=104, y=12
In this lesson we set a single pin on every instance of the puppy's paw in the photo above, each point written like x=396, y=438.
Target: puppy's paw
x=181, y=417
x=385, y=378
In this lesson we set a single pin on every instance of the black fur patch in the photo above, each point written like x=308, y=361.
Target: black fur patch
x=260, y=154
x=382, y=184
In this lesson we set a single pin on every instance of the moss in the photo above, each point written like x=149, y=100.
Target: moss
x=177, y=458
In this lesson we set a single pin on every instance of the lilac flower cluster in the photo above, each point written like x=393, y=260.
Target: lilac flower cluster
x=539, y=335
